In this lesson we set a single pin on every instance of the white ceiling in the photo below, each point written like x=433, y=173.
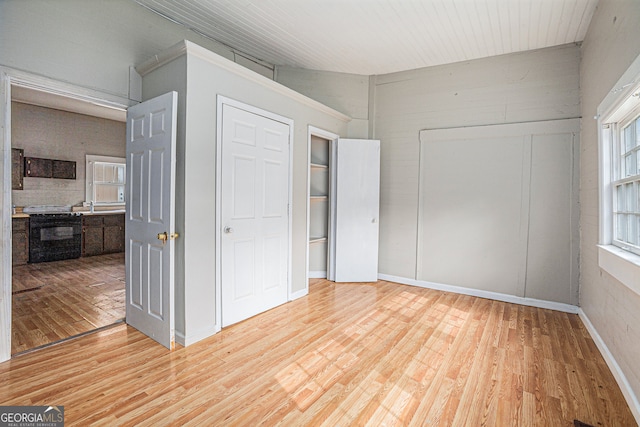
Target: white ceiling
x=380, y=36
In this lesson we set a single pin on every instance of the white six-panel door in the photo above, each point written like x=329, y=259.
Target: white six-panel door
x=150, y=199
x=254, y=214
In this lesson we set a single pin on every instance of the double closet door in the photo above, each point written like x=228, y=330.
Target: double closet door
x=350, y=184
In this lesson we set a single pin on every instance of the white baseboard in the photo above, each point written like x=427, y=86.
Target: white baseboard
x=621, y=379
x=194, y=338
x=317, y=275
x=551, y=305
x=299, y=294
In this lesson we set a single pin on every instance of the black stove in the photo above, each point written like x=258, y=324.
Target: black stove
x=54, y=236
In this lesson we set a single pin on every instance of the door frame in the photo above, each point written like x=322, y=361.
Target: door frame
x=220, y=101
x=332, y=138
x=11, y=77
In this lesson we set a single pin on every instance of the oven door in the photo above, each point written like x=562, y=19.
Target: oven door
x=55, y=239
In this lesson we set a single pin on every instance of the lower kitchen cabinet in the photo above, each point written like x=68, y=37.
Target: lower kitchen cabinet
x=113, y=233
x=20, y=241
x=102, y=234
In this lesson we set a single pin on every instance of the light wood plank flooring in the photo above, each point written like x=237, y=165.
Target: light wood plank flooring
x=55, y=300
x=347, y=354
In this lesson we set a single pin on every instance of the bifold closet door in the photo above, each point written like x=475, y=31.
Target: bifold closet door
x=355, y=210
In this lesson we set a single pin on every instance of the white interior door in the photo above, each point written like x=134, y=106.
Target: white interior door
x=150, y=200
x=254, y=214
x=355, y=210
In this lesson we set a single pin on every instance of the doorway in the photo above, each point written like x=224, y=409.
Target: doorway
x=254, y=227
x=57, y=300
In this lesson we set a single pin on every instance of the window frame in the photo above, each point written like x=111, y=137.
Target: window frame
x=617, y=105
x=631, y=115
x=89, y=178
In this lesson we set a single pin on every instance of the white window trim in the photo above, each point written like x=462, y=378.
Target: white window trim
x=90, y=160
x=623, y=265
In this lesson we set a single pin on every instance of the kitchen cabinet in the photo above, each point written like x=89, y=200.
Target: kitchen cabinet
x=102, y=234
x=17, y=168
x=63, y=169
x=113, y=233
x=20, y=241
x=35, y=167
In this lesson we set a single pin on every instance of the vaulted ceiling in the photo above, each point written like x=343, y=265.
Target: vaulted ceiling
x=380, y=36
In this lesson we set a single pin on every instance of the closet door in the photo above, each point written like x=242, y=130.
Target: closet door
x=355, y=209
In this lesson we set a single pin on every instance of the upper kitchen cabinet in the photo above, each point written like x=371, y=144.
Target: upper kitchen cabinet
x=17, y=168
x=63, y=169
x=35, y=167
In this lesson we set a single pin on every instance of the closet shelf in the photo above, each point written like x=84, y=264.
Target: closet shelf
x=318, y=197
x=317, y=239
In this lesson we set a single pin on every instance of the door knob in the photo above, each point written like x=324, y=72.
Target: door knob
x=228, y=230
x=164, y=236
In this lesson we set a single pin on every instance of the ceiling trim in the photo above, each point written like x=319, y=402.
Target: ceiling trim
x=55, y=87
x=186, y=47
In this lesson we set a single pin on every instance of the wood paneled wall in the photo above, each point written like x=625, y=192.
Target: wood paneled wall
x=524, y=87
x=610, y=47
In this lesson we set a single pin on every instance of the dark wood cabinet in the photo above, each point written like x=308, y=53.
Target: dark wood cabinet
x=35, y=167
x=20, y=241
x=113, y=233
x=17, y=168
x=102, y=234
x=92, y=235
x=63, y=169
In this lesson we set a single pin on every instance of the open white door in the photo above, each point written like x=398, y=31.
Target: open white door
x=355, y=208
x=149, y=232
x=255, y=218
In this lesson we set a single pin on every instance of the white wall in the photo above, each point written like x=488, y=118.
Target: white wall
x=611, y=45
x=89, y=43
x=523, y=87
x=196, y=172
x=54, y=134
x=347, y=93
x=498, y=210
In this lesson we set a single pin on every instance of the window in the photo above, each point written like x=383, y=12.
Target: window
x=105, y=180
x=626, y=182
x=619, y=171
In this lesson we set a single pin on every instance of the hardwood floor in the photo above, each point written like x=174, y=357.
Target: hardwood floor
x=55, y=300
x=347, y=354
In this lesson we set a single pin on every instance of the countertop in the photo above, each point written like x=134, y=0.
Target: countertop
x=111, y=212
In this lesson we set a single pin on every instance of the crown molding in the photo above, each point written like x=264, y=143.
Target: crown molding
x=186, y=47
